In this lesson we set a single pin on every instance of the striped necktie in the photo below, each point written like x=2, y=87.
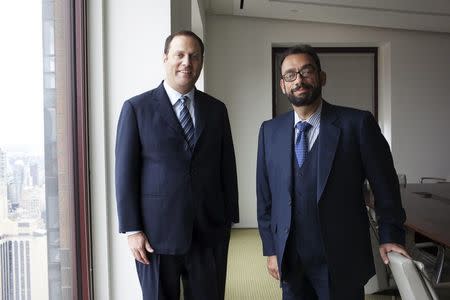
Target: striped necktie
x=301, y=143
x=186, y=121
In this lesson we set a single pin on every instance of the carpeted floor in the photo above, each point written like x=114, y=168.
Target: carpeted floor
x=247, y=277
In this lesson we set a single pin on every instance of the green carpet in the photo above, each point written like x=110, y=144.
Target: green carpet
x=247, y=277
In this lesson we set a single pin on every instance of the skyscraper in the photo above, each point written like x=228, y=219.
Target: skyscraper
x=18, y=181
x=2, y=164
x=23, y=261
x=3, y=200
x=3, y=187
x=34, y=173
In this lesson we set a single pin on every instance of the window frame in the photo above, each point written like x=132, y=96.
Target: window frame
x=81, y=150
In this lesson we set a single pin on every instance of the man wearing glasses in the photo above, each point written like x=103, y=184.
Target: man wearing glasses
x=311, y=166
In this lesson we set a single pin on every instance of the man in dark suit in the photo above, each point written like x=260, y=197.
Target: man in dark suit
x=312, y=163
x=176, y=185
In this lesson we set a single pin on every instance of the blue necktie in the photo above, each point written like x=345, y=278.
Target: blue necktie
x=301, y=142
x=186, y=121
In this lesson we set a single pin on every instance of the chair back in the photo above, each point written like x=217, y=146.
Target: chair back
x=411, y=279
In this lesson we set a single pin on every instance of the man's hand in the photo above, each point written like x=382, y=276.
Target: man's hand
x=388, y=247
x=272, y=267
x=139, y=246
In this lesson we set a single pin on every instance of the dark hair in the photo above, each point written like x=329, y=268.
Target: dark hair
x=302, y=49
x=183, y=33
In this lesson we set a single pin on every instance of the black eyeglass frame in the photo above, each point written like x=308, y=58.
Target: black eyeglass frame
x=301, y=73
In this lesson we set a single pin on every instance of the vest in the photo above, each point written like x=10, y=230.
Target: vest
x=305, y=215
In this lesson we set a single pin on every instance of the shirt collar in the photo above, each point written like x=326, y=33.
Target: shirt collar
x=314, y=119
x=174, y=95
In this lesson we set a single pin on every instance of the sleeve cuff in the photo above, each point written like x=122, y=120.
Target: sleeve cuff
x=128, y=233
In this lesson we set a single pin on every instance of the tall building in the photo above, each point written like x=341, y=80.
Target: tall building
x=2, y=164
x=3, y=187
x=34, y=173
x=11, y=195
x=3, y=201
x=23, y=263
x=31, y=204
x=18, y=181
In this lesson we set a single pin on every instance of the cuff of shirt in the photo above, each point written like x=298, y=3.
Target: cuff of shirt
x=128, y=233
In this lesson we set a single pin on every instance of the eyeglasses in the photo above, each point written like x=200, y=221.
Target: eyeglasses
x=304, y=73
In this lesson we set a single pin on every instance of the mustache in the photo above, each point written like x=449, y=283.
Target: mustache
x=300, y=86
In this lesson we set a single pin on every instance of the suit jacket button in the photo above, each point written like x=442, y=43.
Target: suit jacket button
x=290, y=202
x=286, y=230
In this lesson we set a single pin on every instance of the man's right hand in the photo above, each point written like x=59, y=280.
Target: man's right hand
x=272, y=267
x=139, y=246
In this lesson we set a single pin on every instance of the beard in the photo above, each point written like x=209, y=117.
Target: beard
x=307, y=98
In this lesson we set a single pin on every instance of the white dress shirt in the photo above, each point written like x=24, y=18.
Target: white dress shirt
x=174, y=96
x=314, y=121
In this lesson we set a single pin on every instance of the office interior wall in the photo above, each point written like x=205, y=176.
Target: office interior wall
x=421, y=105
x=414, y=86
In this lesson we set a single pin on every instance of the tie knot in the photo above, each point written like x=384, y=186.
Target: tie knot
x=184, y=99
x=303, y=126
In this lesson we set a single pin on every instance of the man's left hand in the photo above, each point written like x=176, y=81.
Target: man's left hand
x=388, y=247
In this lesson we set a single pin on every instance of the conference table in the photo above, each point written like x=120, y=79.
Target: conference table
x=427, y=208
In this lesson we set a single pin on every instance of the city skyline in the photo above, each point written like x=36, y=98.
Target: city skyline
x=37, y=195
x=23, y=234
x=23, y=229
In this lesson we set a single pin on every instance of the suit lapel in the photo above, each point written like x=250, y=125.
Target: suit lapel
x=166, y=111
x=284, y=145
x=200, y=114
x=328, y=142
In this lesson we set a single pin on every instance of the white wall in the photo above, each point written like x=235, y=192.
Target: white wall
x=413, y=97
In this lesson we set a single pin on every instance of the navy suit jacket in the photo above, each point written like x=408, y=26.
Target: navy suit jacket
x=351, y=149
x=163, y=188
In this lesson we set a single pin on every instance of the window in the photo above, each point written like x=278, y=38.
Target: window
x=44, y=232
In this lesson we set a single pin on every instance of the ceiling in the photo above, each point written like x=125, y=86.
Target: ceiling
x=424, y=15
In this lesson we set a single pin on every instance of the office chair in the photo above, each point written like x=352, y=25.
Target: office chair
x=433, y=263
x=411, y=279
x=383, y=282
x=434, y=260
